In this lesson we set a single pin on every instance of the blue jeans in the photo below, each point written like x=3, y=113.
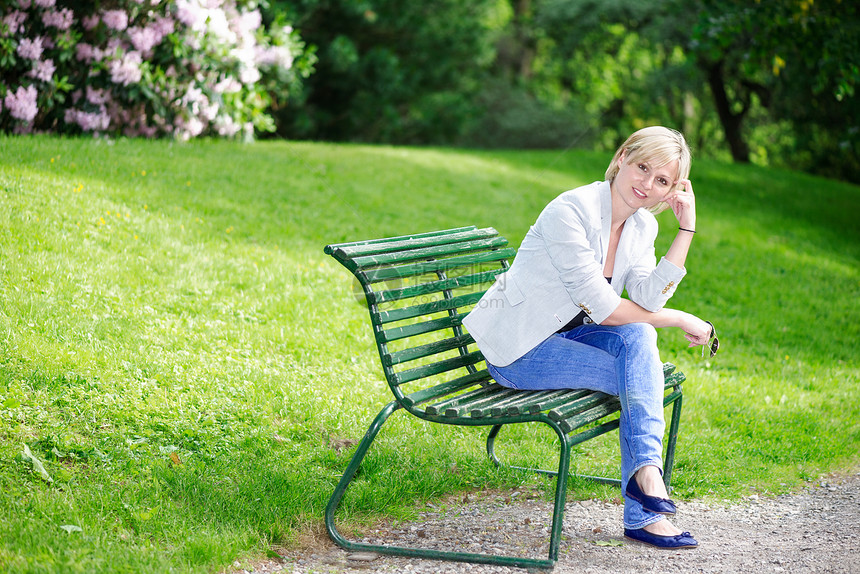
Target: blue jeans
x=622, y=361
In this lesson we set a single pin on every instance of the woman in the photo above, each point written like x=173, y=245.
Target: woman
x=556, y=319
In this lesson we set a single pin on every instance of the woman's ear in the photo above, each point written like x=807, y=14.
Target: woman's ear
x=621, y=158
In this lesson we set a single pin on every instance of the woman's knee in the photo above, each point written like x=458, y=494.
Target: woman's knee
x=639, y=333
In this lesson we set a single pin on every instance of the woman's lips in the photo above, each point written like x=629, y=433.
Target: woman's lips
x=639, y=194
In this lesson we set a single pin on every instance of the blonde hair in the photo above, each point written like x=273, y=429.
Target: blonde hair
x=656, y=146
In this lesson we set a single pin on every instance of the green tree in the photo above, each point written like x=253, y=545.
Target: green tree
x=624, y=60
x=796, y=58
x=388, y=70
x=778, y=76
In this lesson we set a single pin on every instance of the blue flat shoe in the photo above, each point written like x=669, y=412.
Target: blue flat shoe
x=653, y=504
x=683, y=540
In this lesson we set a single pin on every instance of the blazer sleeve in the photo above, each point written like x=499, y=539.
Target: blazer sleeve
x=565, y=228
x=651, y=286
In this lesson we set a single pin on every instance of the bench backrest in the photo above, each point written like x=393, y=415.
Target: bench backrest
x=418, y=289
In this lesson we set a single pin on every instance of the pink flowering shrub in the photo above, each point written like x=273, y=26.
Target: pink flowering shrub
x=177, y=68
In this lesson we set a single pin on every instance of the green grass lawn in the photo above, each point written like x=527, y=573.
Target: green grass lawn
x=184, y=360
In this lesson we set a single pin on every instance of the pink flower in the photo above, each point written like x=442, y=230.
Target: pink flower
x=45, y=3
x=189, y=128
x=14, y=20
x=43, y=71
x=127, y=70
x=192, y=96
x=88, y=121
x=209, y=111
x=144, y=39
x=30, y=49
x=115, y=19
x=226, y=126
x=228, y=85
x=279, y=56
x=90, y=22
x=249, y=75
x=164, y=25
x=247, y=23
x=191, y=14
x=23, y=4
x=113, y=45
x=148, y=131
x=96, y=96
x=61, y=20
x=216, y=22
x=84, y=52
x=22, y=103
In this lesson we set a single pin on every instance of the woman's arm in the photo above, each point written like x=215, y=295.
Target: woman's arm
x=651, y=287
x=696, y=330
x=683, y=205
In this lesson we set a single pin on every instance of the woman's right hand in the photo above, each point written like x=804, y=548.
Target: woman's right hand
x=683, y=204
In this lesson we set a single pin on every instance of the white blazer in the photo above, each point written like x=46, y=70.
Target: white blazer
x=558, y=272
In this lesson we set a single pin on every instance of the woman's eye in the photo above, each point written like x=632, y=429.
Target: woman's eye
x=663, y=182
x=643, y=167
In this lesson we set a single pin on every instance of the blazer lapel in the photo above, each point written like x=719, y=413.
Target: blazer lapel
x=630, y=245
x=605, y=220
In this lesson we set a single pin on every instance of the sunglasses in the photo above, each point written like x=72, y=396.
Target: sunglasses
x=713, y=343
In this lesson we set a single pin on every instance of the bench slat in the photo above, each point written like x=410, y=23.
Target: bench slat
x=674, y=379
x=386, y=296
x=521, y=402
x=443, y=389
x=331, y=249
x=409, y=242
x=562, y=398
x=435, y=252
x=466, y=408
x=426, y=308
x=433, y=348
x=437, y=368
x=438, y=265
x=532, y=405
x=607, y=406
x=460, y=403
x=398, y=333
x=534, y=401
x=571, y=408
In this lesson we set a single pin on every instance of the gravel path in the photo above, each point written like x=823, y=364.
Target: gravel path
x=816, y=530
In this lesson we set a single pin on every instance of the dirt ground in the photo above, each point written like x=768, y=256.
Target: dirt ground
x=816, y=530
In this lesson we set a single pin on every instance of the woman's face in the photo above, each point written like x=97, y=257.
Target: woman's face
x=640, y=184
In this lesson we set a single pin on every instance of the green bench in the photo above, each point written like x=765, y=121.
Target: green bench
x=418, y=289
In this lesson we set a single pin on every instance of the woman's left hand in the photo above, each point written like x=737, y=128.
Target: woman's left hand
x=698, y=333
x=683, y=204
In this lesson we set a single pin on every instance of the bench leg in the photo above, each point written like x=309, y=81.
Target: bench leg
x=560, y=485
x=349, y=474
x=677, y=399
